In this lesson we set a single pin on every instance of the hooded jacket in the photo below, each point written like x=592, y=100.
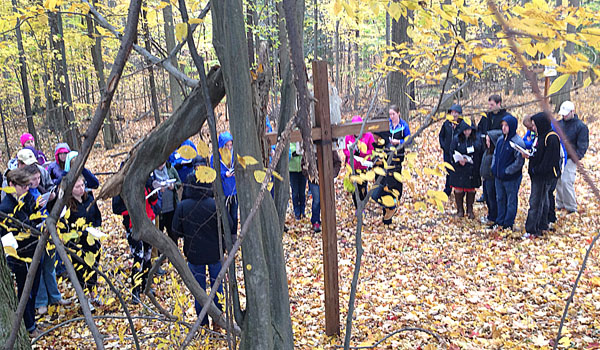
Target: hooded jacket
x=196, y=220
x=466, y=176
x=367, y=138
x=507, y=163
x=545, y=162
x=486, y=160
x=227, y=162
x=10, y=205
x=91, y=181
x=55, y=169
x=577, y=133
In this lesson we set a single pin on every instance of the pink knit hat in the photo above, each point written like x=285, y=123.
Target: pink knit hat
x=26, y=137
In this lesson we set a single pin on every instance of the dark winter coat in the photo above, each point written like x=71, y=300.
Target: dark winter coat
x=577, y=133
x=9, y=206
x=446, y=135
x=92, y=218
x=491, y=121
x=197, y=222
x=508, y=163
x=466, y=176
x=545, y=162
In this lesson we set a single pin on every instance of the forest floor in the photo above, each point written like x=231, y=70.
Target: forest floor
x=476, y=288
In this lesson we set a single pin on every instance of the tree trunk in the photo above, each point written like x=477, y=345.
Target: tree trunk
x=267, y=324
x=356, y=69
x=316, y=30
x=175, y=88
x=564, y=93
x=397, y=82
x=70, y=131
x=109, y=132
x=8, y=307
x=250, y=33
x=337, y=55
x=23, y=72
x=148, y=43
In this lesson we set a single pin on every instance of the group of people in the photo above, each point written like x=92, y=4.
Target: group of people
x=28, y=195
x=493, y=151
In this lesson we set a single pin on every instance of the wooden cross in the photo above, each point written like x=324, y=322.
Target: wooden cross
x=323, y=134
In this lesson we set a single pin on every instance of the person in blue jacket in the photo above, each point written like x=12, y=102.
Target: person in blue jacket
x=227, y=172
x=91, y=181
x=393, y=138
x=183, y=165
x=507, y=167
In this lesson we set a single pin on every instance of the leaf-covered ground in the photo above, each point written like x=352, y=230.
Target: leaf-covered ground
x=477, y=288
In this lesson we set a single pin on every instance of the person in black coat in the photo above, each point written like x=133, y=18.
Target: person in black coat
x=465, y=178
x=21, y=204
x=86, y=243
x=446, y=135
x=544, y=167
x=196, y=220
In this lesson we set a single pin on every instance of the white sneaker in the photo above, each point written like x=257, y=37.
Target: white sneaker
x=527, y=235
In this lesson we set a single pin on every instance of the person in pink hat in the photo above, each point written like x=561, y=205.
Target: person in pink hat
x=27, y=141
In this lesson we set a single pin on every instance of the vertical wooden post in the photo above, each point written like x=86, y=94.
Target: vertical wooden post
x=327, y=192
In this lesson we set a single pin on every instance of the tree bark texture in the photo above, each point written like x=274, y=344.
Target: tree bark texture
x=23, y=73
x=70, y=132
x=175, y=89
x=397, y=81
x=109, y=132
x=148, y=43
x=8, y=307
x=267, y=324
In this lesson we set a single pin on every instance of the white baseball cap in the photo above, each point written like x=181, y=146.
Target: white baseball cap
x=566, y=108
x=26, y=156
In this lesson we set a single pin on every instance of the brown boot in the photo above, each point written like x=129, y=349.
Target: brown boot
x=460, y=210
x=470, y=201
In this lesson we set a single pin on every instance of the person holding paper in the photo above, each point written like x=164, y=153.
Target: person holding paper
x=362, y=156
x=466, y=148
x=544, y=169
x=168, y=180
x=89, y=245
x=20, y=204
x=446, y=135
x=507, y=167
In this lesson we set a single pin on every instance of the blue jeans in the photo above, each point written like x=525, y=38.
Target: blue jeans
x=507, y=198
x=489, y=189
x=199, y=272
x=316, y=203
x=48, y=292
x=298, y=185
x=20, y=268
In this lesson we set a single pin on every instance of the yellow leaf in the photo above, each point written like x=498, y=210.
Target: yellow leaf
x=349, y=9
x=181, y=30
x=587, y=82
x=447, y=166
x=109, y=301
x=269, y=186
x=411, y=156
x=68, y=214
x=420, y=206
x=22, y=235
x=90, y=240
x=467, y=120
x=565, y=341
x=558, y=83
x=388, y=201
x=337, y=8
x=9, y=190
x=203, y=149
x=248, y=267
x=187, y=152
x=10, y=251
x=89, y=259
x=368, y=176
x=205, y=174
x=250, y=160
x=259, y=175
x=379, y=171
x=277, y=176
x=80, y=222
x=362, y=147
x=438, y=195
x=195, y=21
